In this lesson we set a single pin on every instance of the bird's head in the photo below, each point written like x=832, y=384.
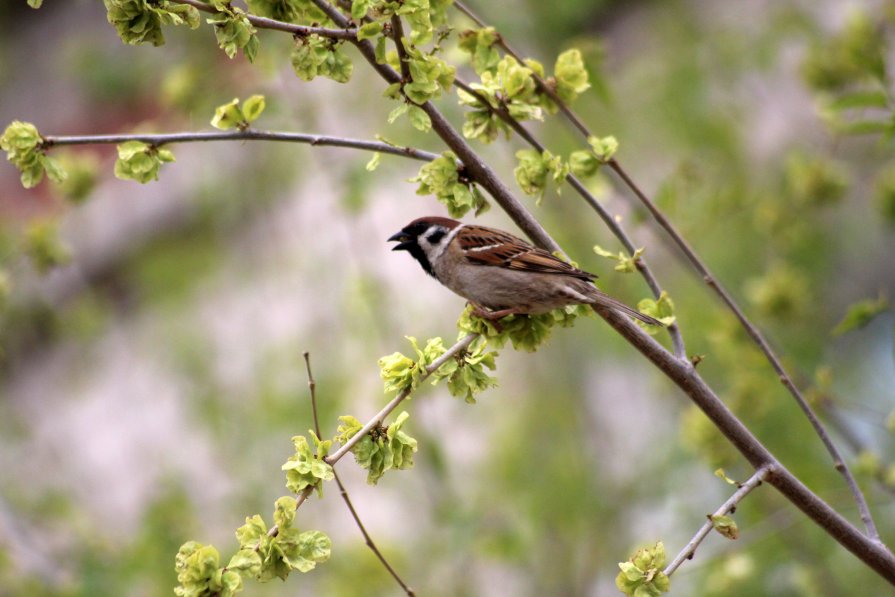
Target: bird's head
x=425, y=238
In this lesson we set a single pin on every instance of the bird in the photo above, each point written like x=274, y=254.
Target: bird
x=498, y=273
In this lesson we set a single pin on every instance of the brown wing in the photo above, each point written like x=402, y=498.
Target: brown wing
x=487, y=246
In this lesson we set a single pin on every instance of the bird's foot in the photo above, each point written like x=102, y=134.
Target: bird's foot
x=492, y=316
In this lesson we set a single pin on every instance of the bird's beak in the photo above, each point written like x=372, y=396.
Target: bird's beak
x=403, y=239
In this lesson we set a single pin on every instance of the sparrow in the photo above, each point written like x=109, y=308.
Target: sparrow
x=498, y=273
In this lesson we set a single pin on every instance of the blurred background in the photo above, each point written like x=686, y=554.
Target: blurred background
x=151, y=382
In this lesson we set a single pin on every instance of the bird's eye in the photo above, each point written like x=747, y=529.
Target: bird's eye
x=436, y=235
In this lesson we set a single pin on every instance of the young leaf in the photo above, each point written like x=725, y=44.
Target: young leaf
x=140, y=161
x=374, y=162
x=419, y=119
x=234, y=32
x=642, y=575
x=306, y=468
x=441, y=178
x=228, y=116
x=860, y=314
x=725, y=525
x=140, y=21
x=571, y=76
x=253, y=107
x=480, y=45
x=604, y=148
x=197, y=568
x=662, y=309
x=24, y=148
x=722, y=475
x=369, y=31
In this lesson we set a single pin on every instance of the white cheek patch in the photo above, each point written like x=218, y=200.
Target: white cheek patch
x=435, y=251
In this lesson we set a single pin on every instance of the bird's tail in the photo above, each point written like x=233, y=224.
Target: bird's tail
x=607, y=301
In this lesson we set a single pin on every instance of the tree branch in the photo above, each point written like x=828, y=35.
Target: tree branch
x=677, y=339
x=312, y=387
x=727, y=507
x=333, y=458
x=474, y=165
x=398, y=37
x=696, y=262
x=347, y=34
x=682, y=373
x=451, y=352
x=763, y=345
x=244, y=135
x=869, y=550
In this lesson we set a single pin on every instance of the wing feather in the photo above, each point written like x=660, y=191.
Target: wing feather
x=490, y=247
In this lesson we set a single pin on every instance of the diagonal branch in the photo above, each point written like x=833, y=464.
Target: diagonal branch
x=674, y=330
x=727, y=507
x=763, y=345
x=753, y=332
x=870, y=550
x=682, y=373
x=377, y=419
x=312, y=387
x=398, y=37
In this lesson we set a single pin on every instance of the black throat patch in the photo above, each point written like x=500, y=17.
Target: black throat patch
x=420, y=255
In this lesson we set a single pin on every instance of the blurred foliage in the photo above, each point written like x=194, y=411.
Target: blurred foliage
x=768, y=145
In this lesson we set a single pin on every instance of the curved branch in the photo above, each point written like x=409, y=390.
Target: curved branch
x=244, y=135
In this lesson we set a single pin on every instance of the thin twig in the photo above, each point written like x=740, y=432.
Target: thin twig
x=312, y=386
x=243, y=135
x=398, y=38
x=541, y=83
x=347, y=34
x=838, y=462
x=839, y=424
x=763, y=345
x=727, y=507
x=451, y=352
x=674, y=331
x=333, y=458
